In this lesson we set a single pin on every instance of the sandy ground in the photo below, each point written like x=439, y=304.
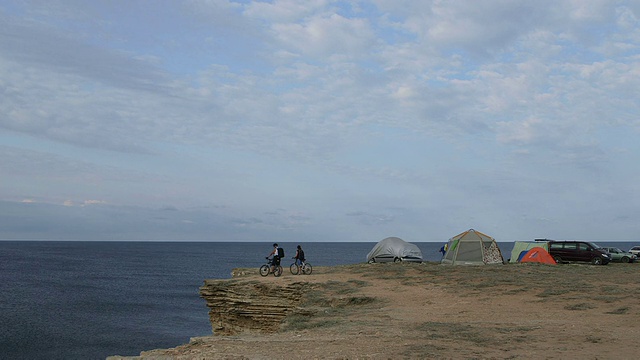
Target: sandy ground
x=431, y=311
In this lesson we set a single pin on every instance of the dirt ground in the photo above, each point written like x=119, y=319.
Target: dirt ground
x=431, y=311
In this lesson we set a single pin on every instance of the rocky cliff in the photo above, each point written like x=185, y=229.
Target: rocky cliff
x=237, y=306
x=251, y=304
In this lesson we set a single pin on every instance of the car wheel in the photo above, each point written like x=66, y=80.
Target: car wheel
x=372, y=261
x=397, y=260
x=625, y=259
x=596, y=261
x=558, y=259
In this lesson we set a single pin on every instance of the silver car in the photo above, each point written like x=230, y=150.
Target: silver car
x=620, y=255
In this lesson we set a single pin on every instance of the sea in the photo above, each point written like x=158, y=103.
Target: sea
x=89, y=300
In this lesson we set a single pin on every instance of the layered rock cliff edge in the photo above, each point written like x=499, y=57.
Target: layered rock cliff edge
x=237, y=307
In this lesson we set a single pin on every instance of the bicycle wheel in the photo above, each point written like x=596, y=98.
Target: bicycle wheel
x=264, y=270
x=294, y=269
x=307, y=269
x=277, y=271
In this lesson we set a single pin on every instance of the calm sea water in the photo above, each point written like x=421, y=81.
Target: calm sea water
x=89, y=300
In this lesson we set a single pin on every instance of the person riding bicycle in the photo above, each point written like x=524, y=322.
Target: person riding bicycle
x=299, y=256
x=276, y=256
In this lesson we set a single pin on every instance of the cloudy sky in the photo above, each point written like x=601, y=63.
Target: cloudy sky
x=319, y=120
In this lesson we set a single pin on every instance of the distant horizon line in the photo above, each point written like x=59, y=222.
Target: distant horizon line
x=279, y=241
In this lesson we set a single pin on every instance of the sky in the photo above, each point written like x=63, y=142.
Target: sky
x=319, y=120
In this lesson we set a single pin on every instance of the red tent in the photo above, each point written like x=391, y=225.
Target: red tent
x=538, y=255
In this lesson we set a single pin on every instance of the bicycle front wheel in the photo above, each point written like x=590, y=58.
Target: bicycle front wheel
x=294, y=269
x=264, y=270
x=307, y=269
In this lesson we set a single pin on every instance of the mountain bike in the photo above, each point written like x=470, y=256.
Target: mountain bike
x=305, y=268
x=266, y=269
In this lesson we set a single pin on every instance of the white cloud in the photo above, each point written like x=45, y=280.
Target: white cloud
x=522, y=132
x=326, y=36
x=285, y=11
x=93, y=202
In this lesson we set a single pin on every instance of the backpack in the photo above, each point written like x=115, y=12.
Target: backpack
x=301, y=255
x=280, y=252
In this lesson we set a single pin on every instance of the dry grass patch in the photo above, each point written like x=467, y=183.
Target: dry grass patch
x=619, y=311
x=453, y=331
x=326, y=303
x=580, y=306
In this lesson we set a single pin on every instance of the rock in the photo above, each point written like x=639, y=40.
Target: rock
x=239, y=306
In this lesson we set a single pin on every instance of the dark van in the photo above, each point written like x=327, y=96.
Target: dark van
x=563, y=251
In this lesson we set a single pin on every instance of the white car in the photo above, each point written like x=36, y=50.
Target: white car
x=635, y=250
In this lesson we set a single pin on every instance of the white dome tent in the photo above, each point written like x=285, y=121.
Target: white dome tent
x=394, y=249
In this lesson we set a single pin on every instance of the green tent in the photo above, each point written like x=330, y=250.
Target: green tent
x=472, y=248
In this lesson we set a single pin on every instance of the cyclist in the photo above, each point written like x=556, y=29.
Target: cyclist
x=276, y=257
x=299, y=257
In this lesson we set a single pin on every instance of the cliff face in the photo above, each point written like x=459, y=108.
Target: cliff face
x=237, y=306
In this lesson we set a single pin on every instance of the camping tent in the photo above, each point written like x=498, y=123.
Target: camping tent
x=538, y=255
x=472, y=248
x=394, y=249
x=521, y=247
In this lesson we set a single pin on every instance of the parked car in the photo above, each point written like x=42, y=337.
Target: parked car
x=620, y=255
x=635, y=250
x=569, y=251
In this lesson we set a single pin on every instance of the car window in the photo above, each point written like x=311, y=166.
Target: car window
x=556, y=245
x=570, y=246
x=583, y=247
